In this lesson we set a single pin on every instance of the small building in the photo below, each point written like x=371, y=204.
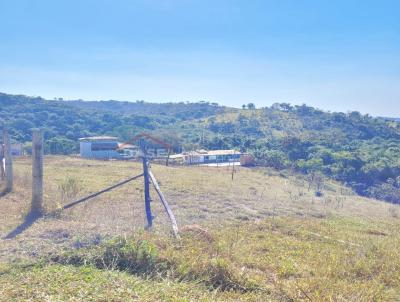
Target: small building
x=128, y=151
x=177, y=159
x=210, y=157
x=99, y=147
x=16, y=149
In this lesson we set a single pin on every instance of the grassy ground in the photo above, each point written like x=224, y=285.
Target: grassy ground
x=261, y=236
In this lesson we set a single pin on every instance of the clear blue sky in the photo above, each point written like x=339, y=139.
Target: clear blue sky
x=336, y=55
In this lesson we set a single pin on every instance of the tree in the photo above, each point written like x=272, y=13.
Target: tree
x=251, y=106
x=274, y=158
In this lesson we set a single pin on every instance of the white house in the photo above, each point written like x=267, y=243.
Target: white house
x=208, y=157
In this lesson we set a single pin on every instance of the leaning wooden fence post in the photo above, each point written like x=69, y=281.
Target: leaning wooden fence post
x=37, y=173
x=8, y=161
x=166, y=205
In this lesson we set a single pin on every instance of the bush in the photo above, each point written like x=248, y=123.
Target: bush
x=69, y=188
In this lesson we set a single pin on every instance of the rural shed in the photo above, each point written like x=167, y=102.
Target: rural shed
x=99, y=147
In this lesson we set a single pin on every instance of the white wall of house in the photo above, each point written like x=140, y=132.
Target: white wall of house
x=194, y=159
x=88, y=149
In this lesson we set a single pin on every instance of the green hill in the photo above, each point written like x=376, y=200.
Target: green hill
x=359, y=150
x=356, y=149
x=66, y=121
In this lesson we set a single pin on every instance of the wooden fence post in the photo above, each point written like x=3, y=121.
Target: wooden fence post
x=147, y=205
x=166, y=205
x=37, y=173
x=2, y=173
x=8, y=166
x=167, y=160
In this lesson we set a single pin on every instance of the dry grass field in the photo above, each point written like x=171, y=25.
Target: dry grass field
x=262, y=236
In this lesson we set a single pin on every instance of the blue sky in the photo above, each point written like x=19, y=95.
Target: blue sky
x=335, y=55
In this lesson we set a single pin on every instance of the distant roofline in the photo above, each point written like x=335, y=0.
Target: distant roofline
x=213, y=152
x=98, y=138
x=127, y=146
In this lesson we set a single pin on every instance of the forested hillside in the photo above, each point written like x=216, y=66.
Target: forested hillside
x=66, y=121
x=359, y=150
x=356, y=149
x=180, y=111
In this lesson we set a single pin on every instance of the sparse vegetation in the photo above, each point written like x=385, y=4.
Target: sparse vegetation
x=259, y=237
x=69, y=189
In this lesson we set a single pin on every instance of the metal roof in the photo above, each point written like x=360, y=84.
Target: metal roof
x=222, y=152
x=98, y=138
x=176, y=156
x=212, y=152
x=127, y=146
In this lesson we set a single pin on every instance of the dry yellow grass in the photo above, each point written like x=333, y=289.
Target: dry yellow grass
x=267, y=229
x=198, y=195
